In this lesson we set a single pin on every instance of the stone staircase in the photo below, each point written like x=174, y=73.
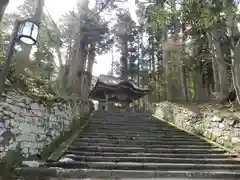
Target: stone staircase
x=131, y=145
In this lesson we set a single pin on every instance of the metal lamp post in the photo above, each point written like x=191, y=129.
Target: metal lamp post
x=25, y=32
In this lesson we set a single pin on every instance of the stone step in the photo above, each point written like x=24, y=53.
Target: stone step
x=139, y=138
x=139, y=141
x=143, y=159
x=134, y=130
x=129, y=127
x=138, y=128
x=144, y=154
x=124, y=144
x=129, y=124
x=94, y=148
x=120, y=132
x=116, y=119
x=124, y=116
x=145, y=135
x=118, y=174
x=142, y=166
x=120, y=119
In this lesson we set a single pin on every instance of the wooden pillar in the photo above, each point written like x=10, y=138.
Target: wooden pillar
x=131, y=106
x=106, y=102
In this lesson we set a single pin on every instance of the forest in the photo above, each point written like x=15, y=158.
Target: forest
x=183, y=50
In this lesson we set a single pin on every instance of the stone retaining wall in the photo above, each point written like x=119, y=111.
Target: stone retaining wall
x=29, y=125
x=219, y=126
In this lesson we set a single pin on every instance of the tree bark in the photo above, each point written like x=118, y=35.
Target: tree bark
x=183, y=68
x=76, y=64
x=222, y=66
x=166, y=55
x=214, y=65
x=91, y=58
x=198, y=84
x=3, y=5
x=235, y=51
x=125, y=61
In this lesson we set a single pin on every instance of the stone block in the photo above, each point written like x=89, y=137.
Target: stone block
x=237, y=124
x=236, y=132
x=34, y=106
x=230, y=121
x=160, y=113
x=37, y=113
x=217, y=119
x=235, y=140
x=236, y=147
x=221, y=125
x=16, y=109
x=28, y=137
x=21, y=104
x=131, y=174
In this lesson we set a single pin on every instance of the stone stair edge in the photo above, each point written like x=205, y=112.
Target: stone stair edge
x=105, y=174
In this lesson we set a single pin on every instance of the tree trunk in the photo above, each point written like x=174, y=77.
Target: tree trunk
x=214, y=65
x=91, y=58
x=166, y=56
x=235, y=51
x=3, y=5
x=216, y=76
x=153, y=64
x=125, y=61
x=222, y=66
x=198, y=86
x=166, y=68
x=76, y=64
x=235, y=69
x=177, y=29
x=197, y=77
x=138, y=62
x=183, y=83
x=183, y=68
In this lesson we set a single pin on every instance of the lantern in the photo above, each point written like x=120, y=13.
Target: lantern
x=28, y=33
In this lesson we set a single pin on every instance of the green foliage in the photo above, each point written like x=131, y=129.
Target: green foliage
x=159, y=18
x=128, y=43
x=94, y=29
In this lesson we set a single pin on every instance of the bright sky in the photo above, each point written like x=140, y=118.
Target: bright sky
x=58, y=7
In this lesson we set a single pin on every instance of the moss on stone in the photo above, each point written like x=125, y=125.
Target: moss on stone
x=46, y=95
x=227, y=143
x=209, y=135
x=213, y=137
x=206, y=134
x=9, y=162
x=236, y=147
x=48, y=102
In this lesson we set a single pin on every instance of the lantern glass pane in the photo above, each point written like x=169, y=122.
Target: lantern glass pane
x=34, y=31
x=27, y=28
